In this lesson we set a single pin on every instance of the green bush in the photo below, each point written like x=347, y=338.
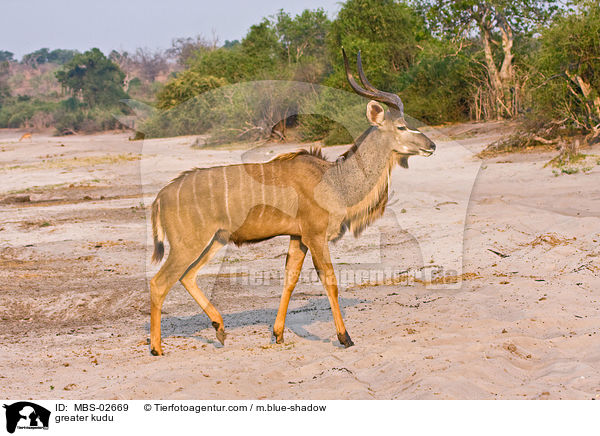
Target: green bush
x=243, y=111
x=567, y=83
x=190, y=118
x=437, y=88
x=387, y=32
x=185, y=86
x=333, y=115
x=19, y=111
x=338, y=135
x=73, y=115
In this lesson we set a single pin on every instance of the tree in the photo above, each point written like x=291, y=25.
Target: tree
x=569, y=70
x=184, y=49
x=4, y=87
x=98, y=81
x=61, y=56
x=303, y=40
x=35, y=58
x=6, y=56
x=230, y=44
x=258, y=56
x=185, y=86
x=44, y=55
x=388, y=33
x=496, y=23
x=126, y=65
x=303, y=35
x=261, y=47
x=150, y=63
x=437, y=87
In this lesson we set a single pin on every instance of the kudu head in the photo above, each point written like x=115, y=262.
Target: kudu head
x=402, y=139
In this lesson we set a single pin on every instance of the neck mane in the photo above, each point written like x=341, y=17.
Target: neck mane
x=358, y=181
x=360, y=177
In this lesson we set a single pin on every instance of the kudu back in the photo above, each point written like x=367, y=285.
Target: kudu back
x=299, y=194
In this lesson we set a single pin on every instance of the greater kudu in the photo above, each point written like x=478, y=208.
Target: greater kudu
x=298, y=194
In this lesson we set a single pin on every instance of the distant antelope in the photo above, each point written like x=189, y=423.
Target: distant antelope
x=25, y=136
x=298, y=194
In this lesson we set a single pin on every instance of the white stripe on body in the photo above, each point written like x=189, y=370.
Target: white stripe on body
x=196, y=199
x=226, y=183
x=240, y=208
x=178, y=199
x=210, y=192
x=262, y=188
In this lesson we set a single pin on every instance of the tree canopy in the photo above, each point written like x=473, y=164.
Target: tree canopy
x=44, y=55
x=495, y=24
x=568, y=67
x=6, y=56
x=94, y=78
x=535, y=60
x=389, y=33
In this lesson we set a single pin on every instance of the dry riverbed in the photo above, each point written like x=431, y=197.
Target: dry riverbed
x=512, y=311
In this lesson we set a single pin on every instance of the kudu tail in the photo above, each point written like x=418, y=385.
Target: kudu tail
x=157, y=232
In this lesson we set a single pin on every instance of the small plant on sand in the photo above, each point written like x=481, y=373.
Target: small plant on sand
x=569, y=160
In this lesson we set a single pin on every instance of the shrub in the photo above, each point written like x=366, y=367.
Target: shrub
x=437, y=87
x=20, y=111
x=185, y=86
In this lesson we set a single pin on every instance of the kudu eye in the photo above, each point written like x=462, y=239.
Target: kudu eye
x=402, y=127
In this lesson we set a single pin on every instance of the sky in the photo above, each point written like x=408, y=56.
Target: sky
x=27, y=25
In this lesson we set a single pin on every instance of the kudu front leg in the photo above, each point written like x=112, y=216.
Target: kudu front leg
x=293, y=266
x=322, y=261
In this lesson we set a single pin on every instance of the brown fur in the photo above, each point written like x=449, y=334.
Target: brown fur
x=371, y=208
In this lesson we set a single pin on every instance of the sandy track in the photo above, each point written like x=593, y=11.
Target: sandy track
x=75, y=311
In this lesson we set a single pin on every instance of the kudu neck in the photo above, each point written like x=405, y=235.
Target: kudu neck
x=365, y=172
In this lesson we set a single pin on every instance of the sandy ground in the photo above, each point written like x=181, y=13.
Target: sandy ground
x=522, y=323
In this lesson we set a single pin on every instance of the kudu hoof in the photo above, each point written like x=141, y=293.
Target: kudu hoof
x=221, y=335
x=156, y=352
x=345, y=340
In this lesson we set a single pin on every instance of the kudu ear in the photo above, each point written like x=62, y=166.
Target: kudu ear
x=375, y=113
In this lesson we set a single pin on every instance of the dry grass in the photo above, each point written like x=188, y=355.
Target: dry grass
x=401, y=279
x=495, y=150
x=28, y=225
x=449, y=279
x=107, y=244
x=551, y=239
x=406, y=279
x=75, y=162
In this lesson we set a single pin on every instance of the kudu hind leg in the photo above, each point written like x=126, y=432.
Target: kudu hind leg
x=322, y=262
x=189, y=282
x=293, y=266
x=160, y=285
